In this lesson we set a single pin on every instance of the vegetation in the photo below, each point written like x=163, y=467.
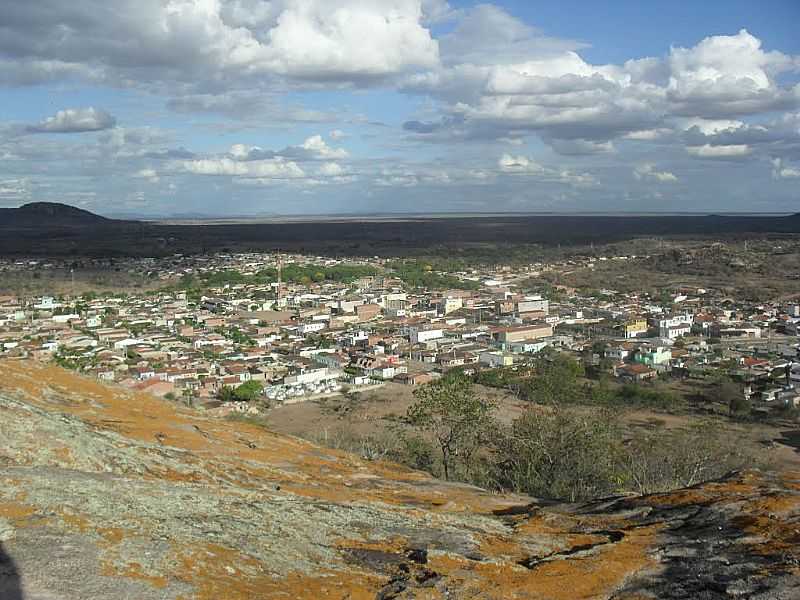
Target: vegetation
x=246, y=392
x=291, y=273
x=559, y=454
x=421, y=274
x=559, y=448
x=457, y=419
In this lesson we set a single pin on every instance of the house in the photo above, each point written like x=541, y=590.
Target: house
x=618, y=352
x=634, y=328
x=422, y=334
x=653, y=355
x=635, y=372
x=413, y=378
x=535, y=331
x=367, y=312
x=494, y=359
x=675, y=326
x=673, y=332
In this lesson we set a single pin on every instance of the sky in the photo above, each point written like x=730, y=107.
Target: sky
x=233, y=108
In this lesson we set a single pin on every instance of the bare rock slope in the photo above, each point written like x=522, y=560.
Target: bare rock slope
x=108, y=494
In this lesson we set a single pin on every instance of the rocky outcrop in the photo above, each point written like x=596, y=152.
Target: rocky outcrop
x=106, y=493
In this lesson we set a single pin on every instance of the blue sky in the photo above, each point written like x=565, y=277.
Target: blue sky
x=260, y=107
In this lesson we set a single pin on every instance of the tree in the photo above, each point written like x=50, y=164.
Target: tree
x=248, y=391
x=560, y=453
x=457, y=418
x=226, y=394
x=727, y=392
x=739, y=406
x=556, y=381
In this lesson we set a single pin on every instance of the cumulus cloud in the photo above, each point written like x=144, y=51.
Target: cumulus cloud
x=486, y=82
x=148, y=174
x=728, y=75
x=277, y=168
x=518, y=164
x=331, y=169
x=783, y=171
x=313, y=148
x=733, y=151
x=523, y=165
x=579, y=147
x=316, y=147
x=75, y=120
x=648, y=172
x=348, y=41
x=500, y=78
x=247, y=105
x=15, y=189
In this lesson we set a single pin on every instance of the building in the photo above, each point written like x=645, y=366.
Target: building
x=635, y=372
x=535, y=331
x=423, y=334
x=494, y=359
x=531, y=304
x=653, y=355
x=669, y=327
x=635, y=328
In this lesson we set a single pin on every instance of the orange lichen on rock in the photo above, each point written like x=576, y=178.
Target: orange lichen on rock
x=15, y=511
x=134, y=571
x=219, y=572
x=170, y=499
x=586, y=577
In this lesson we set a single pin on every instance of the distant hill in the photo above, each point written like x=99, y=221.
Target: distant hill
x=49, y=215
x=53, y=229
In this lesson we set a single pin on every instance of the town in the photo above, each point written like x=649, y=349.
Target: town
x=252, y=331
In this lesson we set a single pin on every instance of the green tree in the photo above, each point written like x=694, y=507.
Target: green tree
x=455, y=416
x=560, y=453
x=248, y=391
x=739, y=406
x=226, y=394
x=555, y=381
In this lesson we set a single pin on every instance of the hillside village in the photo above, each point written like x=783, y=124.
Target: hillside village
x=246, y=331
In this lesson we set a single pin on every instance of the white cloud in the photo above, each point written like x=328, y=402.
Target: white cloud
x=331, y=169
x=75, y=120
x=578, y=147
x=647, y=135
x=348, y=41
x=518, y=164
x=277, y=168
x=781, y=171
x=313, y=148
x=522, y=165
x=647, y=172
x=317, y=147
x=708, y=126
x=501, y=79
x=337, y=134
x=149, y=174
x=15, y=189
x=727, y=75
x=729, y=151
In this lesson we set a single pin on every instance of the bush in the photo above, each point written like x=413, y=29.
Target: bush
x=668, y=459
x=568, y=455
x=560, y=454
